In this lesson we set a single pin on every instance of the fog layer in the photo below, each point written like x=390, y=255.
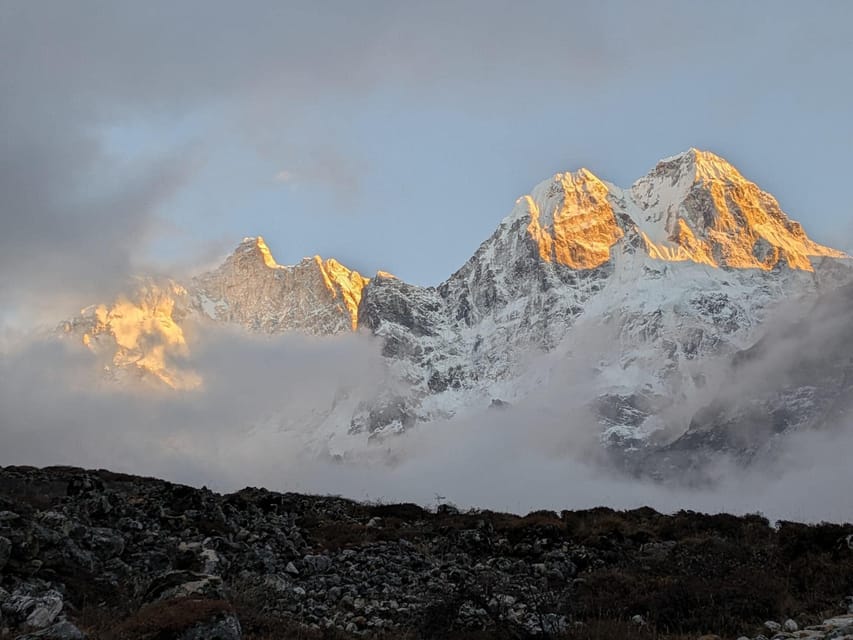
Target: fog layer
x=254, y=422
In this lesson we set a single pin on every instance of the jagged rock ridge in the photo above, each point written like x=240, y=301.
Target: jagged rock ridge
x=315, y=296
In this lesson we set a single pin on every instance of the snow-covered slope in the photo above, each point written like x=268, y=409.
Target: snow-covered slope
x=680, y=267
x=798, y=376
x=645, y=288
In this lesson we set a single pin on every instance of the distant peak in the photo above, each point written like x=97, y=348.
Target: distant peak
x=343, y=281
x=574, y=179
x=257, y=244
x=699, y=166
x=696, y=206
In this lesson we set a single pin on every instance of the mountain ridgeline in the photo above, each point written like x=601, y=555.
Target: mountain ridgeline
x=651, y=295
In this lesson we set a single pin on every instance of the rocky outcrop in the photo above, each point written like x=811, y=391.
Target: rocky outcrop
x=114, y=556
x=316, y=296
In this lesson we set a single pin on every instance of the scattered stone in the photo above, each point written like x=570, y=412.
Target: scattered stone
x=790, y=626
x=36, y=611
x=185, y=584
x=316, y=564
x=772, y=626
x=220, y=628
x=310, y=560
x=62, y=630
x=5, y=551
x=212, y=562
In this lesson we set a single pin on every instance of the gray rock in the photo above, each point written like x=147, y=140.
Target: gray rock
x=551, y=624
x=790, y=626
x=277, y=583
x=212, y=562
x=220, y=628
x=5, y=551
x=316, y=564
x=772, y=626
x=658, y=550
x=62, y=630
x=37, y=611
x=105, y=543
x=185, y=584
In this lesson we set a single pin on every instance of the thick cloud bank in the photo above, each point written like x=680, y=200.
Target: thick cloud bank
x=254, y=422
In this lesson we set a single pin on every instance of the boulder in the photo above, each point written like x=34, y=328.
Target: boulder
x=185, y=584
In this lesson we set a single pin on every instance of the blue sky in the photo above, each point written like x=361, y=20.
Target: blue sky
x=389, y=135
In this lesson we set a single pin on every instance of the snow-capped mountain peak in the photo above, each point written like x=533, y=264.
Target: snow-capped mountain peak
x=697, y=166
x=680, y=267
x=697, y=207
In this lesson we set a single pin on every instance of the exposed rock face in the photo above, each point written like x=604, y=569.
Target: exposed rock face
x=573, y=222
x=643, y=286
x=132, y=558
x=316, y=296
x=698, y=207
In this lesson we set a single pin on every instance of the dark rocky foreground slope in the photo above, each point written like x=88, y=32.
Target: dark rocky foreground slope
x=113, y=556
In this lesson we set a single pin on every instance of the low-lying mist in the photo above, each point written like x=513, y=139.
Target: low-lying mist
x=255, y=420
